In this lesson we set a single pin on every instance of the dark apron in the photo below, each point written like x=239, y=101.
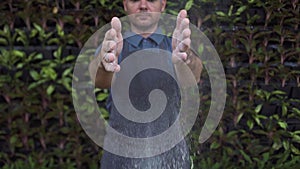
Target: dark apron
x=142, y=84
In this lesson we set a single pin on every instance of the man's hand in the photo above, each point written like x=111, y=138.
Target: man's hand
x=181, y=38
x=181, y=43
x=106, y=63
x=111, y=47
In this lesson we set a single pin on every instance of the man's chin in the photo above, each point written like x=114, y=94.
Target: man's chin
x=143, y=19
x=144, y=29
x=142, y=24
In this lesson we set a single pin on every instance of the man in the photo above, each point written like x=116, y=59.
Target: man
x=144, y=17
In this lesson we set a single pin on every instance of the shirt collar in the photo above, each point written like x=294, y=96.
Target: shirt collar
x=135, y=39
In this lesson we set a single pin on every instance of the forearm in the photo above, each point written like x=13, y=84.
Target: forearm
x=183, y=71
x=100, y=77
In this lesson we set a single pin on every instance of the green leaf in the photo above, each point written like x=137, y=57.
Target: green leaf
x=214, y=145
x=65, y=130
x=102, y=96
x=33, y=33
x=258, y=108
x=239, y=117
x=57, y=53
x=240, y=10
x=266, y=156
x=257, y=120
x=60, y=31
x=262, y=132
x=296, y=138
x=284, y=109
x=232, y=133
x=250, y=124
x=33, y=85
x=48, y=72
x=260, y=93
x=50, y=89
x=66, y=83
x=3, y=41
x=20, y=65
x=38, y=27
x=220, y=13
x=70, y=57
x=13, y=140
x=35, y=75
x=38, y=56
x=247, y=157
x=18, y=53
x=286, y=145
x=21, y=39
x=189, y=5
x=297, y=111
x=67, y=72
x=295, y=150
x=277, y=143
x=53, y=41
x=18, y=74
x=278, y=92
x=230, y=10
x=200, y=49
x=283, y=124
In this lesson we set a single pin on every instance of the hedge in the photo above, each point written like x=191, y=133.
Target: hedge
x=258, y=43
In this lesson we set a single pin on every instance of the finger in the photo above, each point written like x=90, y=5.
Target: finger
x=179, y=56
x=112, y=67
x=184, y=45
x=184, y=25
x=109, y=57
x=186, y=34
x=181, y=15
x=182, y=55
x=110, y=35
x=109, y=46
x=116, y=25
x=181, y=40
x=110, y=62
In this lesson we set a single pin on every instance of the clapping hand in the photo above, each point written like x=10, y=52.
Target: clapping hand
x=112, y=46
x=181, y=38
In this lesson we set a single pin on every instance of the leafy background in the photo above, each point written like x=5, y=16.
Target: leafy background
x=258, y=43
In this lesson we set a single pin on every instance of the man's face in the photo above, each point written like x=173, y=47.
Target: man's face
x=140, y=12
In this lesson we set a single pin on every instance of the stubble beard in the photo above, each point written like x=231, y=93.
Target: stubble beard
x=150, y=23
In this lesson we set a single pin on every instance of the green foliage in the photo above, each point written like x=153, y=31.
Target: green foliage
x=258, y=43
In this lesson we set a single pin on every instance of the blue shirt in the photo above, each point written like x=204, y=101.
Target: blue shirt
x=134, y=42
